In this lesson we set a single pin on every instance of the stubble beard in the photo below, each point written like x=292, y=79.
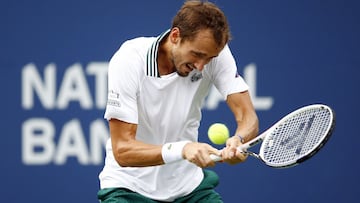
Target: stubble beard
x=181, y=74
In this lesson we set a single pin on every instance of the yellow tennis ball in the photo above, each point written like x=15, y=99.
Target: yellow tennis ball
x=218, y=133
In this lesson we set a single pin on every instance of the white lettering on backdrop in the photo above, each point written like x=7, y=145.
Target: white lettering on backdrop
x=44, y=143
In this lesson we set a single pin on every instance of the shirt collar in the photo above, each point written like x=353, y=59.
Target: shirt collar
x=151, y=57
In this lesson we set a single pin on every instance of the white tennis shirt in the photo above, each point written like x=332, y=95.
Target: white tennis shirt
x=166, y=109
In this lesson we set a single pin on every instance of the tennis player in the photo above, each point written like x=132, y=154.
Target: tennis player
x=156, y=87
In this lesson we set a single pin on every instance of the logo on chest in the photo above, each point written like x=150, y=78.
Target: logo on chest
x=195, y=77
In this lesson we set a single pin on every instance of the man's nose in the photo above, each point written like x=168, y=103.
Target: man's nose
x=200, y=65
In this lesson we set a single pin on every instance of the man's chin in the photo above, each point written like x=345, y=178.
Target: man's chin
x=183, y=74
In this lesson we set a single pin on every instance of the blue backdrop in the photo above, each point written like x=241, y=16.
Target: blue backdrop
x=53, y=57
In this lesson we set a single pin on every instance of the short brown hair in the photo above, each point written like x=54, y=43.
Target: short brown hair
x=196, y=15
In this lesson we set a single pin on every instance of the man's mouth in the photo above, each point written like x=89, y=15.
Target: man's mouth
x=190, y=66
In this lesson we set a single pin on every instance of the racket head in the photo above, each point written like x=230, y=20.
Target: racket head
x=298, y=136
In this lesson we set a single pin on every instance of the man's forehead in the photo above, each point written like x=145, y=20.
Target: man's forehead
x=204, y=43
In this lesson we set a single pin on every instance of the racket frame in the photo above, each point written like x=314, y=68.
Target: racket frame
x=260, y=138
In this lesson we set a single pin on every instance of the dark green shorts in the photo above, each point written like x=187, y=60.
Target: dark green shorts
x=203, y=193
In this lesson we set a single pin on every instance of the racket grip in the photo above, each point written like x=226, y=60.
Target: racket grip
x=215, y=158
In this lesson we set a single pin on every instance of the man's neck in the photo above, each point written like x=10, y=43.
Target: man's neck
x=165, y=64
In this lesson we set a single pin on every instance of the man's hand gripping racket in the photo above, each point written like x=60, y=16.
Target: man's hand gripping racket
x=293, y=139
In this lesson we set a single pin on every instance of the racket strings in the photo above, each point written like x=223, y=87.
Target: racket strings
x=296, y=136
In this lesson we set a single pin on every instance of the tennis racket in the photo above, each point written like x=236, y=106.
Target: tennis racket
x=293, y=139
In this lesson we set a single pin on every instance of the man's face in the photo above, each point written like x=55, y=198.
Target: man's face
x=195, y=54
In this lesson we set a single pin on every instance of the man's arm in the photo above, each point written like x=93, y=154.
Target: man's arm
x=247, y=126
x=130, y=152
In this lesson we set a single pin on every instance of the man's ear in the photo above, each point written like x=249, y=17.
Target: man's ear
x=175, y=35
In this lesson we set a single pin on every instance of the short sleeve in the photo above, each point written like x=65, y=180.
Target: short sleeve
x=225, y=75
x=123, y=85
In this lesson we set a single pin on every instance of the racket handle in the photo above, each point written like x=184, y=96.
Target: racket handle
x=241, y=148
x=215, y=158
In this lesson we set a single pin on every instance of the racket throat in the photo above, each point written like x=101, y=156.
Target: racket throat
x=253, y=154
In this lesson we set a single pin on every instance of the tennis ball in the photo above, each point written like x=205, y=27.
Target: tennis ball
x=218, y=133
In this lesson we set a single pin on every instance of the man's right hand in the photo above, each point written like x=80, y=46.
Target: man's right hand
x=199, y=154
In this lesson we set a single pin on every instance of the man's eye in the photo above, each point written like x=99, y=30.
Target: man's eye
x=198, y=55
